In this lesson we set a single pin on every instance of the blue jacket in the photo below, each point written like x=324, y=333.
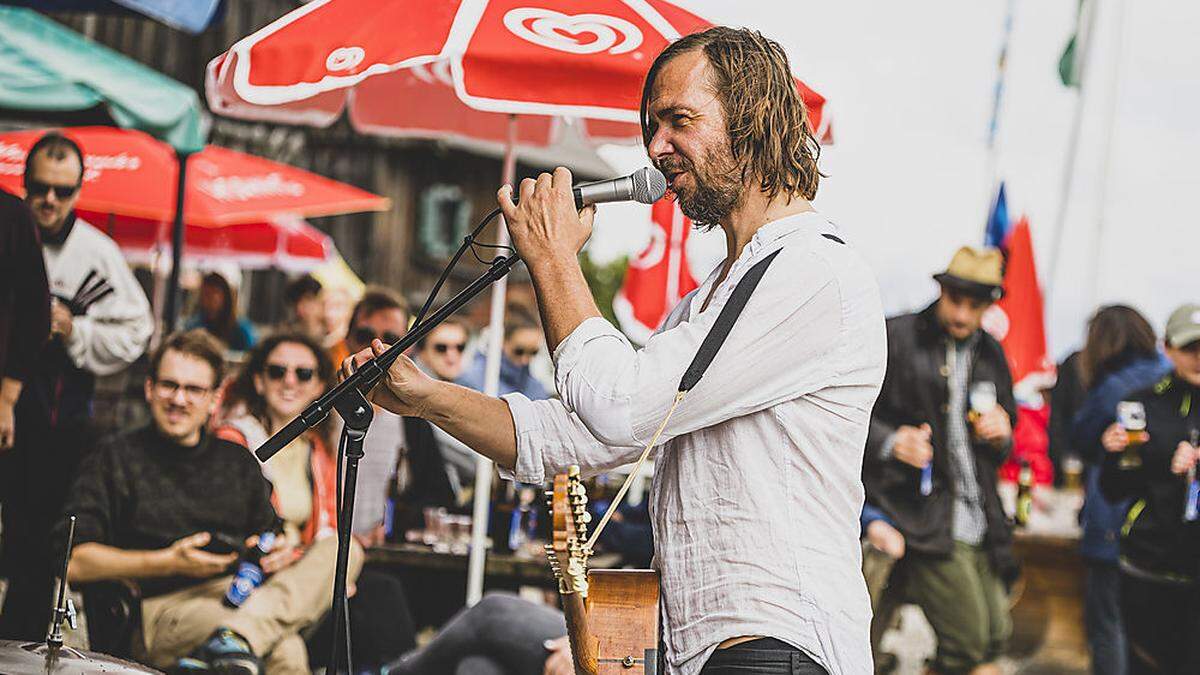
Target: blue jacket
x=513, y=378
x=1102, y=520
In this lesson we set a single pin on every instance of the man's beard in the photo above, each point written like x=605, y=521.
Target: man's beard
x=716, y=194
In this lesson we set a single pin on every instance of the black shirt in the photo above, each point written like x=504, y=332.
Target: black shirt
x=141, y=491
x=1155, y=538
x=24, y=291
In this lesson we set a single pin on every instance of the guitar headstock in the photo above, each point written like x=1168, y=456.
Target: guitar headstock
x=568, y=553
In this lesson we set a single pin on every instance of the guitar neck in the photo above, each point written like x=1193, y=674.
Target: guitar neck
x=584, y=647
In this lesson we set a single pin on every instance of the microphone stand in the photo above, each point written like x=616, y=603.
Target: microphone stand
x=349, y=399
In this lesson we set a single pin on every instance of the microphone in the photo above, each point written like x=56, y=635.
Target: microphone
x=646, y=185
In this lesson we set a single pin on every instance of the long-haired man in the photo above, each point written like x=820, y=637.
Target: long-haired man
x=757, y=487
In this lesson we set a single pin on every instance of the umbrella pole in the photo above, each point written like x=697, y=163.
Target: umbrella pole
x=171, y=309
x=491, y=387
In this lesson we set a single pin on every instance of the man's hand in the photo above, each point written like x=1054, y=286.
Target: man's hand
x=7, y=425
x=185, y=558
x=993, y=426
x=1114, y=438
x=405, y=389
x=1185, y=458
x=558, y=662
x=282, y=554
x=375, y=537
x=912, y=445
x=61, y=321
x=544, y=225
x=886, y=538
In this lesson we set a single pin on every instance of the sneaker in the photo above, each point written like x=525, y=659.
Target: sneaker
x=224, y=652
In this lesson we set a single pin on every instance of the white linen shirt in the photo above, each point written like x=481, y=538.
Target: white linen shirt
x=757, y=487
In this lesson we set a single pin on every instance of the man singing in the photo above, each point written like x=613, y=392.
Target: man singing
x=757, y=487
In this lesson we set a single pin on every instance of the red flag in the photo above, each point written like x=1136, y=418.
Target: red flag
x=658, y=277
x=1018, y=322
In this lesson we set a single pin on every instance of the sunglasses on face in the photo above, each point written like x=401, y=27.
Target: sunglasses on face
x=363, y=335
x=36, y=188
x=277, y=372
x=444, y=347
x=521, y=352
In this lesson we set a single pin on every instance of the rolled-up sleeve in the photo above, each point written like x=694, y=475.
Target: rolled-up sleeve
x=786, y=344
x=551, y=438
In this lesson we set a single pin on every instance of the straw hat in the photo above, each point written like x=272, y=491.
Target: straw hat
x=975, y=272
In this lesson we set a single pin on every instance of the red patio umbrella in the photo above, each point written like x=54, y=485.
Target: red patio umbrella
x=407, y=71
x=288, y=243
x=129, y=173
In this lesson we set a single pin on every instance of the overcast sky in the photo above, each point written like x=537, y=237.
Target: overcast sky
x=910, y=91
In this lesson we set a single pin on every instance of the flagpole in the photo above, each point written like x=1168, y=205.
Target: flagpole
x=991, y=177
x=1106, y=160
x=491, y=387
x=1079, y=75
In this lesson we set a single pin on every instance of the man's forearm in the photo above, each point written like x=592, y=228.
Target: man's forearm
x=480, y=422
x=564, y=299
x=99, y=562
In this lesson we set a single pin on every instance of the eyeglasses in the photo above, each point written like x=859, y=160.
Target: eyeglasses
x=277, y=372
x=364, y=335
x=192, y=392
x=444, y=347
x=36, y=188
x=521, y=352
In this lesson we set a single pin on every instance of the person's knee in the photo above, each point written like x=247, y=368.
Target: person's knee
x=963, y=650
x=498, y=605
x=478, y=665
x=290, y=655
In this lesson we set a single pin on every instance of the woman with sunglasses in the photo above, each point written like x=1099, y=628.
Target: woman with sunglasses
x=282, y=375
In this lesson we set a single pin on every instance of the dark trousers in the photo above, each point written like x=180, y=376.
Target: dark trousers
x=35, y=475
x=381, y=625
x=1162, y=624
x=1102, y=618
x=501, y=635
x=765, y=656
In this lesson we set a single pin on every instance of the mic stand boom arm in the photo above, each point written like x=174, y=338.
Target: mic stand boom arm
x=369, y=374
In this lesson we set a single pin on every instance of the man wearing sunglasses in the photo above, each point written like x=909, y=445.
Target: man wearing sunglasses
x=522, y=343
x=99, y=324
x=402, y=461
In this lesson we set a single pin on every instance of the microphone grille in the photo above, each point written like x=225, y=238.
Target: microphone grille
x=649, y=185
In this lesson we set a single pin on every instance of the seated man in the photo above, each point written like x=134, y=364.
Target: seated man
x=168, y=506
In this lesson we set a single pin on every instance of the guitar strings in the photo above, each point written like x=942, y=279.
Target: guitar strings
x=632, y=474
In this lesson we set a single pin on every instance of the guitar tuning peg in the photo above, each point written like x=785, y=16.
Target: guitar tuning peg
x=585, y=517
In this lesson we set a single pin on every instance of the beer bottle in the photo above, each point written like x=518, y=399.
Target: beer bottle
x=1191, y=507
x=249, y=574
x=1024, y=494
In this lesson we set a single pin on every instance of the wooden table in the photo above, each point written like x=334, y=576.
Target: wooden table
x=1047, y=614
x=436, y=582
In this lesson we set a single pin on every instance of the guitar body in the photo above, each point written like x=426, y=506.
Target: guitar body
x=611, y=615
x=622, y=609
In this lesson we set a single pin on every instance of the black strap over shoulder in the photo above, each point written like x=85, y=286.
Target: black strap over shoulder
x=725, y=320
x=728, y=316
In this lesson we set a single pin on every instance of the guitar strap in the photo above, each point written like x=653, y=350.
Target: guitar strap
x=700, y=363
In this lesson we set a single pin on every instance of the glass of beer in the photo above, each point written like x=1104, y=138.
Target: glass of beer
x=1072, y=467
x=1131, y=415
x=982, y=399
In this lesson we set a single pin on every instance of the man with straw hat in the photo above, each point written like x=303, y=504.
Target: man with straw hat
x=940, y=429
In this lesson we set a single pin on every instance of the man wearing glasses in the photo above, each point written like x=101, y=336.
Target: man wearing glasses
x=168, y=507
x=522, y=343
x=99, y=324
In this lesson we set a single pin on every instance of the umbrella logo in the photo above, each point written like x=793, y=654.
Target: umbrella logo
x=344, y=58
x=548, y=28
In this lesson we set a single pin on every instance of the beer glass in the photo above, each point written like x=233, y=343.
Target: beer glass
x=1131, y=415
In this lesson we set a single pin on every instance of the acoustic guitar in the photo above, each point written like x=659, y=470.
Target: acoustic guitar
x=612, y=615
